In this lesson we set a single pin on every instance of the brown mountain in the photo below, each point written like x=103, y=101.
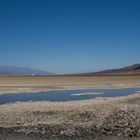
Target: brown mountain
x=129, y=70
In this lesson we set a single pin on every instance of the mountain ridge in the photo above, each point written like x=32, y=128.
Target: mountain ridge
x=26, y=71
x=21, y=71
x=132, y=69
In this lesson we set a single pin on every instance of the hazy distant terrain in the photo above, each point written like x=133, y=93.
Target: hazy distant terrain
x=18, y=84
x=21, y=71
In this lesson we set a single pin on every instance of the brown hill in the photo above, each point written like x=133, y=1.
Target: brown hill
x=129, y=70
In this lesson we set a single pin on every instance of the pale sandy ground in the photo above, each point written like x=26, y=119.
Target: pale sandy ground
x=118, y=116
x=37, y=84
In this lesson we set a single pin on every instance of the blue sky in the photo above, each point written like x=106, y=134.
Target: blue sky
x=68, y=36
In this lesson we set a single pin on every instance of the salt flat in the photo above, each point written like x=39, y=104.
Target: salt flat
x=117, y=116
x=37, y=84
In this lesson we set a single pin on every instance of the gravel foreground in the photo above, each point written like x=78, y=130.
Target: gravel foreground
x=90, y=119
x=23, y=137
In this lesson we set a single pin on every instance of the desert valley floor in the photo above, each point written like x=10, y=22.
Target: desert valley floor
x=117, y=117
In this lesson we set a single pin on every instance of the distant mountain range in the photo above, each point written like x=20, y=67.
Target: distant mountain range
x=22, y=71
x=128, y=70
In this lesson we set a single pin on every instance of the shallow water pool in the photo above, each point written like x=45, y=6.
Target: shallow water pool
x=66, y=95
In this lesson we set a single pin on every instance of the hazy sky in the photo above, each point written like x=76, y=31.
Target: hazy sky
x=66, y=36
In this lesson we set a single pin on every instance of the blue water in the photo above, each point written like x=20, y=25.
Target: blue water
x=65, y=95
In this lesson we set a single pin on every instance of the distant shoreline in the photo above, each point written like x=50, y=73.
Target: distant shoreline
x=41, y=84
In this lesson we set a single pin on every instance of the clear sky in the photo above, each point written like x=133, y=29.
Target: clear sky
x=67, y=36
